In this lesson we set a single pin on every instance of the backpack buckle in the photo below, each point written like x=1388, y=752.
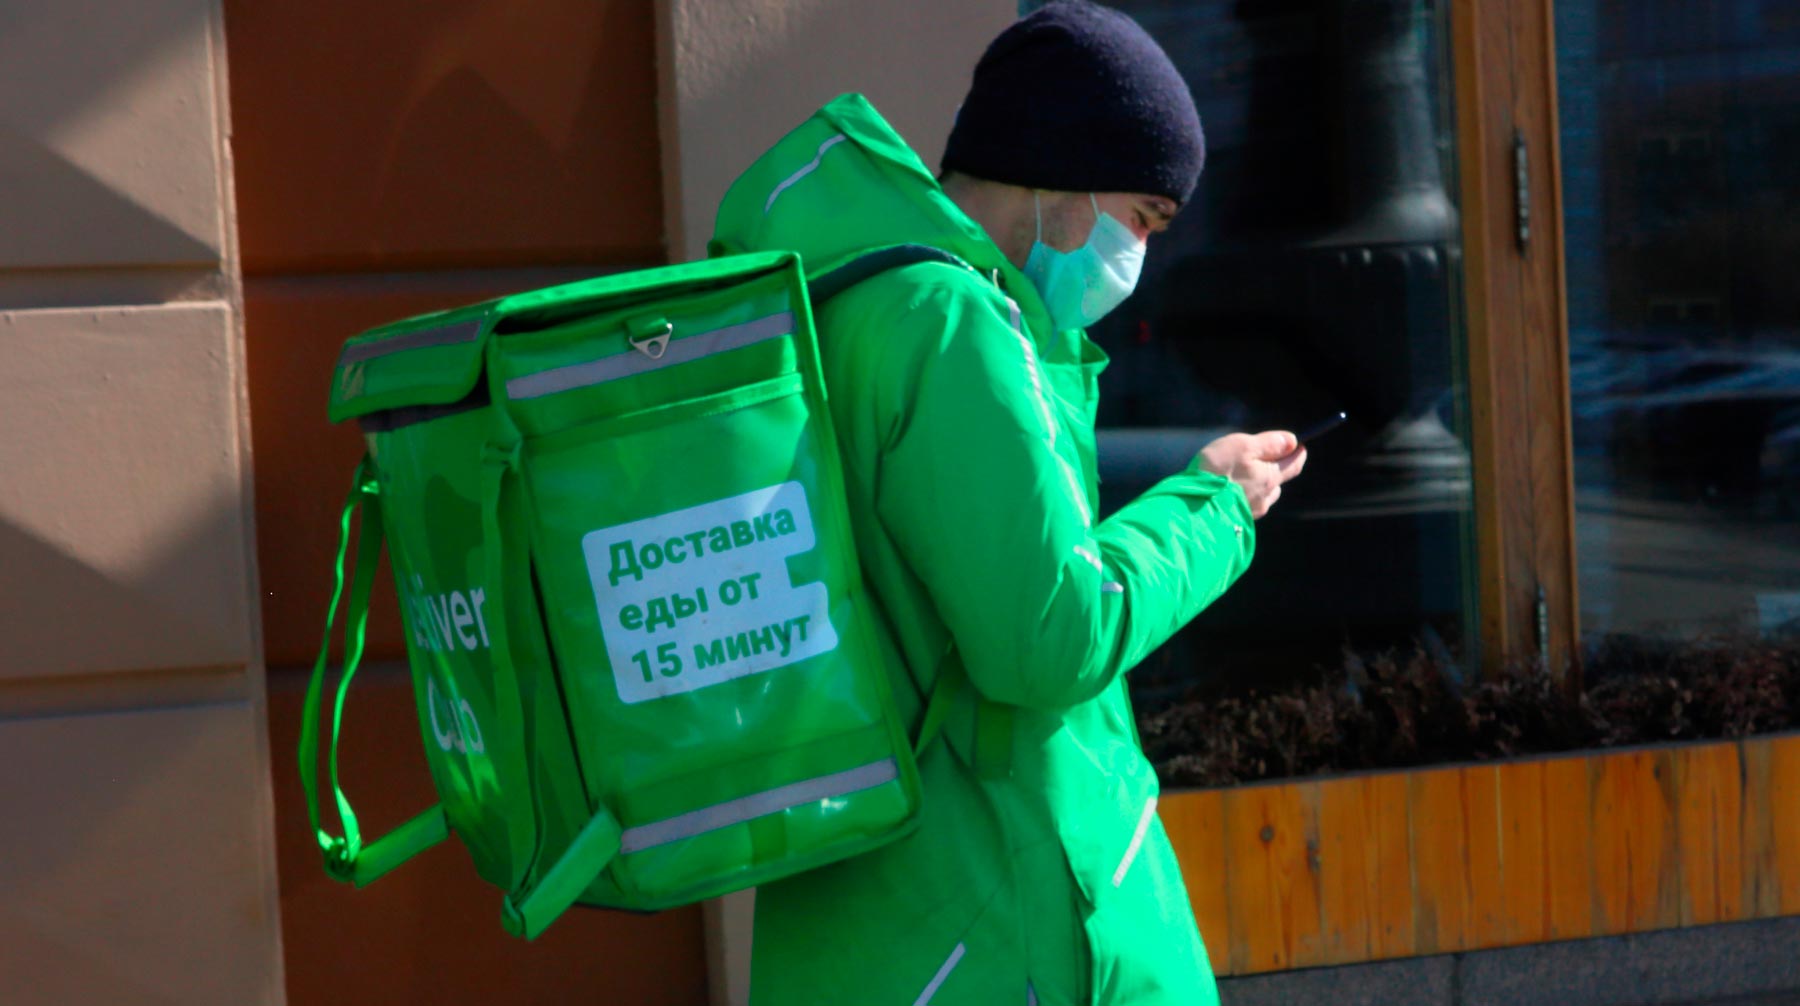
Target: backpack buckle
x=650, y=336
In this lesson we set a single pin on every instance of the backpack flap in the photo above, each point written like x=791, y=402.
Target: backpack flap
x=433, y=359
x=618, y=293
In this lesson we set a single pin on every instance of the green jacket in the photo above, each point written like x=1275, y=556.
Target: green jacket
x=1039, y=872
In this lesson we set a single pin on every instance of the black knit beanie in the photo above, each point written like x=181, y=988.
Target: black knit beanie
x=1078, y=98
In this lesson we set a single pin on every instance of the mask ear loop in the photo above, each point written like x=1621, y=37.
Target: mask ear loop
x=1095, y=203
x=1037, y=211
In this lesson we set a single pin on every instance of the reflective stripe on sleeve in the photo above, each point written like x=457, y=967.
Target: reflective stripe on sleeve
x=1108, y=587
x=937, y=980
x=1137, y=841
x=1043, y=406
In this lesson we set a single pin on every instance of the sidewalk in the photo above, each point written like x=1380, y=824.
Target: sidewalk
x=1742, y=964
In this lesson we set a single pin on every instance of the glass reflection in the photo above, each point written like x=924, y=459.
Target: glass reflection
x=1318, y=268
x=1680, y=128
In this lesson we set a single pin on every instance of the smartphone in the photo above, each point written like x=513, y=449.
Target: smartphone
x=1322, y=427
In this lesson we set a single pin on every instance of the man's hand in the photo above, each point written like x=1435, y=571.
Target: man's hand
x=1260, y=463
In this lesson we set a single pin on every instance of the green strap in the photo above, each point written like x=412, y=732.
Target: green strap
x=950, y=680
x=426, y=829
x=993, y=739
x=347, y=858
x=993, y=720
x=570, y=875
x=528, y=913
x=598, y=841
x=871, y=264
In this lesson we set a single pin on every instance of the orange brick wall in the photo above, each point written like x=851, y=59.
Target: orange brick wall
x=387, y=165
x=429, y=933
x=389, y=160
x=468, y=133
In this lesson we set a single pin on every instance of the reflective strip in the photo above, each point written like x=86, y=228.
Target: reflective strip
x=1037, y=395
x=956, y=957
x=724, y=815
x=1137, y=841
x=424, y=338
x=810, y=167
x=1110, y=586
x=1030, y=995
x=631, y=362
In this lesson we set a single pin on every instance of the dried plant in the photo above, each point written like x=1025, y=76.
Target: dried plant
x=1392, y=710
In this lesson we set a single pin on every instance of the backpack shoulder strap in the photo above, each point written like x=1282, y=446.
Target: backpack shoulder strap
x=992, y=747
x=871, y=264
x=347, y=857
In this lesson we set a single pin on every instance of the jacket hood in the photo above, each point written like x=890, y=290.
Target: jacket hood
x=843, y=183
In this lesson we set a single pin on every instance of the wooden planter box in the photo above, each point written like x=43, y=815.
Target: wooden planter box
x=1340, y=870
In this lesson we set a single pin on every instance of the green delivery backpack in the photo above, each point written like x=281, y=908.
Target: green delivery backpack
x=639, y=643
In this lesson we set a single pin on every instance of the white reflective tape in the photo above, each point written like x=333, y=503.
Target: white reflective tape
x=1030, y=995
x=629, y=364
x=1137, y=841
x=424, y=338
x=723, y=815
x=1090, y=557
x=810, y=167
x=1043, y=403
x=1110, y=587
x=956, y=957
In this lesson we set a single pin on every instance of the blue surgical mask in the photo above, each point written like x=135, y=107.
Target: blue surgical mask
x=1081, y=286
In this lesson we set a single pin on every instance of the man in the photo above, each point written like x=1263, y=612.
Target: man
x=963, y=397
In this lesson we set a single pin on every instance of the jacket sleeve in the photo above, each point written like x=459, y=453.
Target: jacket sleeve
x=991, y=512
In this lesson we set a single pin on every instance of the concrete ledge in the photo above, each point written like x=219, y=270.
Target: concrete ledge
x=1746, y=964
x=1417, y=981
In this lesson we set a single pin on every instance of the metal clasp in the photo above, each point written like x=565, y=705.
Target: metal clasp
x=650, y=336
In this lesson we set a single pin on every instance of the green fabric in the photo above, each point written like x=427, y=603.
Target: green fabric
x=646, y=668
x=966, y=426
x=667, y=457
x=347, y=858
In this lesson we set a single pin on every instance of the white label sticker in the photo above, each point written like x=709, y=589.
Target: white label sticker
x=701, y=596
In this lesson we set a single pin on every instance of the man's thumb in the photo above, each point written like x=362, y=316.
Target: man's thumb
x=1276, y=444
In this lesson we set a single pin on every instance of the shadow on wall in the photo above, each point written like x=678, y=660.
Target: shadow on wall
x=101, y=105
x=121, y=40
x=430, y=932
x=73, y=218
x=122, y=824
x=118, y=821
x=524, y=169
x=487, y=134
x=181, y=606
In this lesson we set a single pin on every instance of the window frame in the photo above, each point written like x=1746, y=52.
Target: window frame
x=1516, y=319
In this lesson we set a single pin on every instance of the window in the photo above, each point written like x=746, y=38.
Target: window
x=1680, y=124
x=1318, y=268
